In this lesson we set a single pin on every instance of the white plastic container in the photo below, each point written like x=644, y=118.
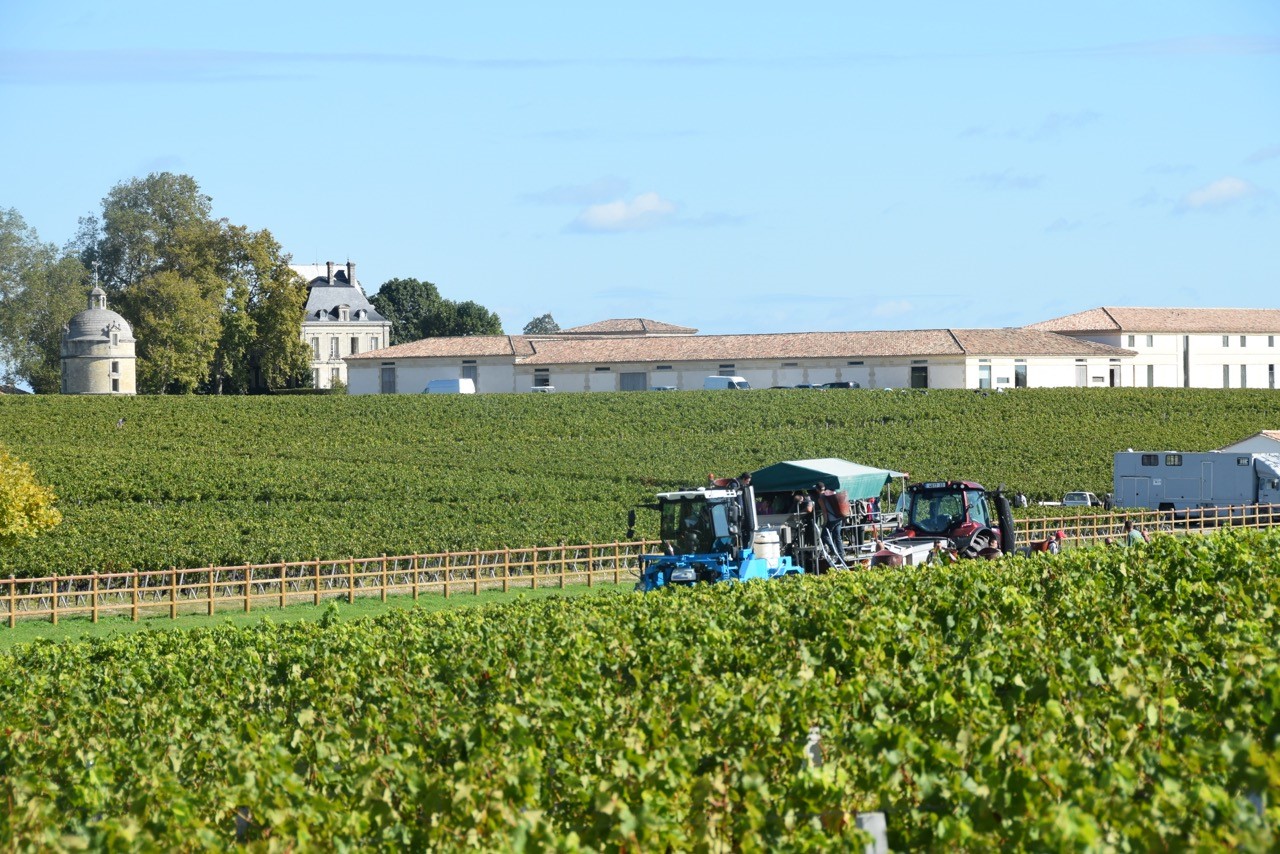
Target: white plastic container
x=767, y=547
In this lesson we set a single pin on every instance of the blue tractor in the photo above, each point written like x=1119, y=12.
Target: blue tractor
x=709, y=535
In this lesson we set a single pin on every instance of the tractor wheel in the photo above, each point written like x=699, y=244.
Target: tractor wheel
x=980, y=542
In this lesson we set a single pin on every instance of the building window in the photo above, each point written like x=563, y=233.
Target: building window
x=1151, y=340
x=335, y=376
x=1082, y=373
x=602, y=370
x=344, y=313
x=1244, y=376
x=920, y=376
x=315, y=378
x=315, y=347
x=1131, y=338
x=1226, y=376
x=115, y=367
x=1271, y=376
x=1271, y=340
x=790, y=364
x=1151, y=459
x=984, y=373
x=726, y=370
x=387, y=377
x=470, y=371
x=1151, y=376
x=663, y=368
x=115, y=339
x=355, y=344
x=115, y=384
x=1173, y=459
x=541, y=377
x=1242, y=340
x=1019, y=373
x=333, y=347
x=373, y=342
x=855, y=364
x=1226, y=340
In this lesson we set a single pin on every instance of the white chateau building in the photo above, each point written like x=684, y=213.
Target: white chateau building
x=98, y=351
x=339, y=321
x=1103, y=347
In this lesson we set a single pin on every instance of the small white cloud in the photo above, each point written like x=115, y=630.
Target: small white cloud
x=1217, y=194
x=892, y=308
x=645, y=211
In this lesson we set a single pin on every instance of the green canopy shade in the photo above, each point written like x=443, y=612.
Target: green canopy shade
x=858, y=481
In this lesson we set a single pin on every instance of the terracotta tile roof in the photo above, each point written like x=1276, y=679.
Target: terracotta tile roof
x=918, y=343
x=629, y=326
x=1190, y=320
x=465, y=346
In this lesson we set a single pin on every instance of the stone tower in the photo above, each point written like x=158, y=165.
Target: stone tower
x=98, y=351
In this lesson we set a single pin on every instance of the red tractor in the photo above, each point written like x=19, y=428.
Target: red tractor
x=948, y=520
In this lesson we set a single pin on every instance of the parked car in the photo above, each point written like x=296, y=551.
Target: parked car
x=1081, y=499
x=841, y=384
x=808, y=385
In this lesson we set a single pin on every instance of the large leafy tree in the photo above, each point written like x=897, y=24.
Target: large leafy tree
x=177, y=326
x=416, y=310
x=542, y=325
x=26, y=506
x=40, y=290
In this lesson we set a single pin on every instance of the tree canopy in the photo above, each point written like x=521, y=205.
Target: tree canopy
x=416, y=310
x=26, y=507
x=542, y=325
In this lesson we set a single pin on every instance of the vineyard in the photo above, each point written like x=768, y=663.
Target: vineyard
x=200, y=481
x=1105, y=698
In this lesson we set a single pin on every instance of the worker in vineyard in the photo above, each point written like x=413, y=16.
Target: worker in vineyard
x=1133, y=535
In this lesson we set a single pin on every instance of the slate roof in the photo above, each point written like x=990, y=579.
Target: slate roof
x=1111, y=319
x=537, y=350
x=629, y=326
x=324, y=298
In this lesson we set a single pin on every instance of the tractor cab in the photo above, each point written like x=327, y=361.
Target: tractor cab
x=953, y=509
x=699, y=521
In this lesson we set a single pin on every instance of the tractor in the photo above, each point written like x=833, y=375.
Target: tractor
x=709, y=534
x=947, y=520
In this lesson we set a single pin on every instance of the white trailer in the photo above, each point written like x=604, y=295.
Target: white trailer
x=1173, y=480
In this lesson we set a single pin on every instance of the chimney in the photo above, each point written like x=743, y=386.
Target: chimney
x=329, y=264
x=351, y=273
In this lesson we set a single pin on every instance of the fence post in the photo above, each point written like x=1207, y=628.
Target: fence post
x=316, y=577
x=282, y=584
x=475, y=568
x=447, y=562
x=13, y=602
x=591, y=563
x=413, y=570
x=133, y=610
x=506, y=569
x=351, y=580
x=53, y=611
x=212, y=607
x=173, y=593
x=533, y=575
x=617, y=559
x=93, y=591
x=564, y=560
x=384, y=576
x=248, y=579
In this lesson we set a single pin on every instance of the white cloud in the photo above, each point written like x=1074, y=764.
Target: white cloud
x=645, y=211
x=1217, y=194
x=599, y=190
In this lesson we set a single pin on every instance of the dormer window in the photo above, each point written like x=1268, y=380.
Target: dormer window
x=344, y=313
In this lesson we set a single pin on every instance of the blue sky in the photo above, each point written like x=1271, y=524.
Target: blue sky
x=735, y=167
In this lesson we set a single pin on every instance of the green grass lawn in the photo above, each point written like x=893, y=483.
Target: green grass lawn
x=79, y=628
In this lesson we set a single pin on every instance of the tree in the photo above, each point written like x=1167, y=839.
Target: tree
x=405, y=302
x=544, y=325
x=416, y=310
x=40, y=290
x=177, y=327
x=26, y=507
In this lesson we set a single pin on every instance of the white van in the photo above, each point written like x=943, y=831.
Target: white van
x=460, y=386
x=725, y=382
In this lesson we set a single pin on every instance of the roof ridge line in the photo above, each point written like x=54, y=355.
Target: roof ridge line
x=952, y=333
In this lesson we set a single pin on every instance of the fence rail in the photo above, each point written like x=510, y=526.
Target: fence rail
x=210, y=589
x=207, y=590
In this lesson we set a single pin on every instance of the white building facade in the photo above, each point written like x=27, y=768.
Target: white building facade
x=339, y=321
x=98, y=351
x=1183, y=347
x=634, y=355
